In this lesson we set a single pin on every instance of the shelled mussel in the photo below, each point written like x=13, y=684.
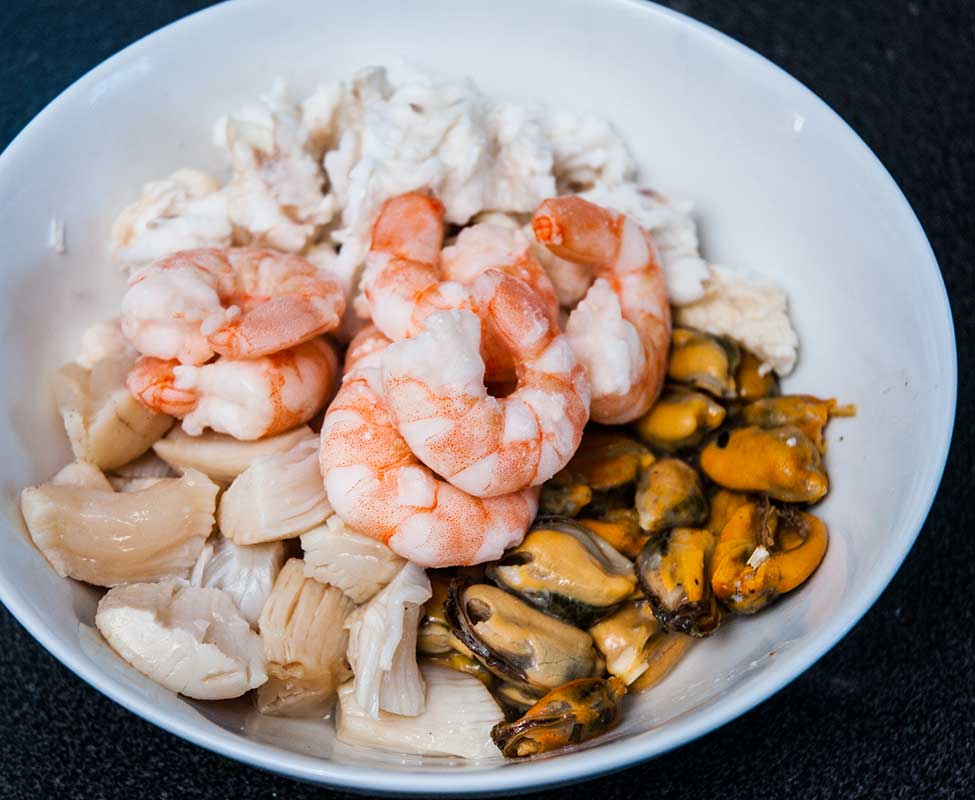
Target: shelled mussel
x=600, y=475
x=674, y=572
x=681, y=418
x=765, y=551
x=515, y=641
x=753, y=379
x=670, y=495
x=637, y=648
x=807, y=413
x=783, y=463
x=563, y=569
x=703, y=361
x=573, y=713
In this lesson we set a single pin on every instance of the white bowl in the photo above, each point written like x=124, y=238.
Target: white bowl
x=781, y=184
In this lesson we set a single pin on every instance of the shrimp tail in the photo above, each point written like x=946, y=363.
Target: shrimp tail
x=577, y=230
x=152, y=382
x=410, y=227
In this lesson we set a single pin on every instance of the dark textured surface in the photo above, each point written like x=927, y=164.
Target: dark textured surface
x=890, y=712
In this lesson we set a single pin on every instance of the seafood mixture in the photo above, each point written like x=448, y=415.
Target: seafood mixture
x=430, y=419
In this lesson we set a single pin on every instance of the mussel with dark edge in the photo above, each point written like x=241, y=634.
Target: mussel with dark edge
x=518, y=643
x=670, y=495
x=573, y=713
x=563, y=569
x=605, y=460
x=673, y=569
x=809, y=414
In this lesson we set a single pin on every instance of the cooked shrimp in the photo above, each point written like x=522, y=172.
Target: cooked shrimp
x=379, y=488
x=484, y=445
x=621, y=329
x=403, y=282
x=405, y=279
x=247, y=398
x=239, y=302
x=367, y=341
x=488, y=246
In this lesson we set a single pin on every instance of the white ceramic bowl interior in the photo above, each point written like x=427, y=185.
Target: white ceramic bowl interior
x=781, y=186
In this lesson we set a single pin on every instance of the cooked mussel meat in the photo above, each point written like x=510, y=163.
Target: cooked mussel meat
x=563, y=569
x=618, y=526
x=703, y=361
x=434, y=636
x=661, y=654
x=763, y=552
x=464, y=663
x=724, y=503
x=518, y=643
x=605, y=460
x=670, y=495
x=563, y=499
x=680, y=418
x=600, y=476
x=783, y=463
x=623, y=636
x=573, y=713
x=754, y=379
x=673, y=569
x=809, y=414
x=514, y=700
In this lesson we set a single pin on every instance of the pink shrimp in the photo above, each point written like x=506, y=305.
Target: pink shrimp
x=487, y=446
x=406, y=280
x=378, y=487
x=621, y=329
x=368, y=340
x=239, y=302
x=248, y=398
x=403, y=282
x=488, y=246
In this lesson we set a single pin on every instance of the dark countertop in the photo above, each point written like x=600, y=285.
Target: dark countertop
x=890, y=712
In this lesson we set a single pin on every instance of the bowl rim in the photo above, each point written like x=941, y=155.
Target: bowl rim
x=569, y=767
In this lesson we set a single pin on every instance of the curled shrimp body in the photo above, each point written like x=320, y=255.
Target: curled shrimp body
x=408, y=278
x=248, y=399
x=240, y=302
x=378, y=487
x=621, y=329
x=487, y=246
x=488, y=446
